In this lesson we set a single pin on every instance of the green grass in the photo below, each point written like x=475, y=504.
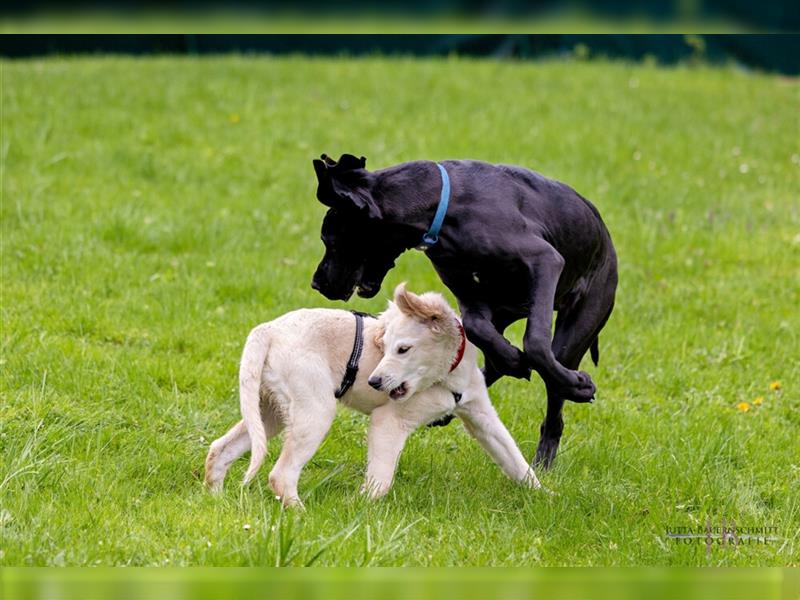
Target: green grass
x=154, y=210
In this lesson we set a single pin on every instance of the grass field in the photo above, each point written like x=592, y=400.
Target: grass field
x=154, y=210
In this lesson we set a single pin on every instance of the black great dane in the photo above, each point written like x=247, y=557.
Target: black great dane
x=513, y=245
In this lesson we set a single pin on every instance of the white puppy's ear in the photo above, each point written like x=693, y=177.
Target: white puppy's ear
x=435, y=323
x=424, y=309
x=409, y=303
x=401, y=297
x=378, y=339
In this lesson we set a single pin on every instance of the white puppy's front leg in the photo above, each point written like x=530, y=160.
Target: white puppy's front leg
x=481, y=421
x=385, y=441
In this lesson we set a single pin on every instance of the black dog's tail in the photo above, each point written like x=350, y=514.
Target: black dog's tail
x=595, y=351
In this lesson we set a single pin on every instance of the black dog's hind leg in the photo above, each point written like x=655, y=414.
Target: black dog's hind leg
x=546, y=266
x=576, y=330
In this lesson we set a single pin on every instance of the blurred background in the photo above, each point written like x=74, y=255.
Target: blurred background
x=495, y=28
x=766, y=52
x=575, y=16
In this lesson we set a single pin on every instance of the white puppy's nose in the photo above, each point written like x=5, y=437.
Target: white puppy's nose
x=375, y=382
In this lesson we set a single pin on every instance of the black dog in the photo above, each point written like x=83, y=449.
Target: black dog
x=514, y=245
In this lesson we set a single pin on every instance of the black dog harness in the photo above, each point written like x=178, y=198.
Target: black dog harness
x=355, y=356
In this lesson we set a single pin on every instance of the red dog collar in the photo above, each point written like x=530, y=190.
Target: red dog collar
x=461, y=347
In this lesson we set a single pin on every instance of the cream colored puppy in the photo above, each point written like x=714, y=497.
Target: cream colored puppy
x=416, y=367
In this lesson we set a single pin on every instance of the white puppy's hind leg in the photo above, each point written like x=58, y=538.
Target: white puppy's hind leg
x=222, y=453
x=481, y=421
x=385, y=441
x=272, y=424
x=225, y=450
x=304, y=434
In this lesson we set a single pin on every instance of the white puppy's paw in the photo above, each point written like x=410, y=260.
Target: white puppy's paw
x=531, y=481
x=375, y=489
x=214, y=487
x=292, y=502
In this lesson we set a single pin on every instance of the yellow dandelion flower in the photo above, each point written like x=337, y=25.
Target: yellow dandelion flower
x=234, y=118
x=775, y=386
x=743, y=406
x=758, y=401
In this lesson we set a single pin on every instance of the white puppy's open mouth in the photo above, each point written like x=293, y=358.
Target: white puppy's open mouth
x=398, y=392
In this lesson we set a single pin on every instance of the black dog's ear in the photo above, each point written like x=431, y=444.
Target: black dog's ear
x=345, y=184
x=325, y=193
x=355, y=193
x=349, y=162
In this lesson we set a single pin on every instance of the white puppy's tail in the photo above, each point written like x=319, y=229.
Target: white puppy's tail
x=253, y=358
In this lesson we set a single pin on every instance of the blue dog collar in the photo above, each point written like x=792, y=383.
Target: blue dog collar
x=432, y=236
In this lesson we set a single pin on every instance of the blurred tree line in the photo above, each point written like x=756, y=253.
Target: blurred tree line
x=769, y=52
x=765, y=15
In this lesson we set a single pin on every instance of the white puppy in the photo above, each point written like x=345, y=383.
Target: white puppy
x=416, y=366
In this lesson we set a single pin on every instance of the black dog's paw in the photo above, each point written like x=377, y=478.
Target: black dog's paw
x=546, y=453
x=519, y=367
x=514, y=366
x=490, y=374
x=581, y=388
x=445, y=420
x=522, y=373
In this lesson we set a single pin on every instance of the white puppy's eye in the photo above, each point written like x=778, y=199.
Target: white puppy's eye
x=403, y=349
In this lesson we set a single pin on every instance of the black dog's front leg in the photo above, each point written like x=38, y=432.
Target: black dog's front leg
x=501, y=357
x=490, y=372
